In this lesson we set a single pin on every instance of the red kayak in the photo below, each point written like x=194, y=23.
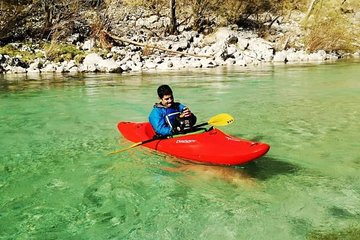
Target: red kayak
x=211, y=146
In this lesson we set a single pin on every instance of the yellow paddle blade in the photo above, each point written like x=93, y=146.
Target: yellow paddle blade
x=124, y=149
x=221, y=119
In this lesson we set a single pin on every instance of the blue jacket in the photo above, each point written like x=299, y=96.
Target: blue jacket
x=162, y=119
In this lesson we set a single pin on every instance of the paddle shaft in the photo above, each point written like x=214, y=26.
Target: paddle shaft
x=200, y=125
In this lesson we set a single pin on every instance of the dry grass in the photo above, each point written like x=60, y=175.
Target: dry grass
x=331, y=30
x=155, y=6
x=147, y=51
x=329, y=35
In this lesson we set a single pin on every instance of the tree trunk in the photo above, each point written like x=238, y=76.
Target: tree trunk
x=173, y=27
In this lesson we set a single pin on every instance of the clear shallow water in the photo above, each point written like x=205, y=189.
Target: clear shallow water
x=57, y=182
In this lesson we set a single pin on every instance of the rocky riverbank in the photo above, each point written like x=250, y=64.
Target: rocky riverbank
x=189, y=49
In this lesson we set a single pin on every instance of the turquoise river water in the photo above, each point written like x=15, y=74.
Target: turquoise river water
x=57, y=181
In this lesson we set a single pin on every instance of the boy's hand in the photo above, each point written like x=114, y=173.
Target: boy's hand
x=186, y=112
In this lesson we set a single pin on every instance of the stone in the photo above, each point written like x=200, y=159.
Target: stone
x=88, y=44
x=280, y=57
x=149, y=64
x=92, y=59
x=180, y=46
x=50, y=67
x=109, y=65
x=18, y=69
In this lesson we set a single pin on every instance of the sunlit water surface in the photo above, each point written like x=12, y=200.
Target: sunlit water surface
x=57, y=181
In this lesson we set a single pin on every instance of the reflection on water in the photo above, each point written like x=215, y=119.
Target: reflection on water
x=58, y=182
x=268, y=167
x=199, y=172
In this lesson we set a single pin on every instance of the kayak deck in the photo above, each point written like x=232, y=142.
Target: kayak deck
x=212, y=146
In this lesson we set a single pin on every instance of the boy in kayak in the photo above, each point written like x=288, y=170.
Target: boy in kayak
x=168, y=117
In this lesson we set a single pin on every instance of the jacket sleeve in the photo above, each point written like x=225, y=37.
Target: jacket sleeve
x=157, y=120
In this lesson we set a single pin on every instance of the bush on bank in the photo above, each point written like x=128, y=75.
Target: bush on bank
x=334, y=29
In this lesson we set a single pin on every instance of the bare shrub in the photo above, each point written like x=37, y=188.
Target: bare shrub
x=330, y=30
x=330, y=34
x=156, y=7
x=98, y=31
x=245, y=13
x=13, y=14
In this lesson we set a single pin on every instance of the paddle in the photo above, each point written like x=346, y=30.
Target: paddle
x=222, y=119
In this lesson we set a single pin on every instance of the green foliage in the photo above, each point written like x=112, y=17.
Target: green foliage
x=79, y=58
x=9, y=50
x=27, y=56
x=59, y=52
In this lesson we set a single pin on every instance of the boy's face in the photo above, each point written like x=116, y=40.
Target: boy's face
x=167, y=100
